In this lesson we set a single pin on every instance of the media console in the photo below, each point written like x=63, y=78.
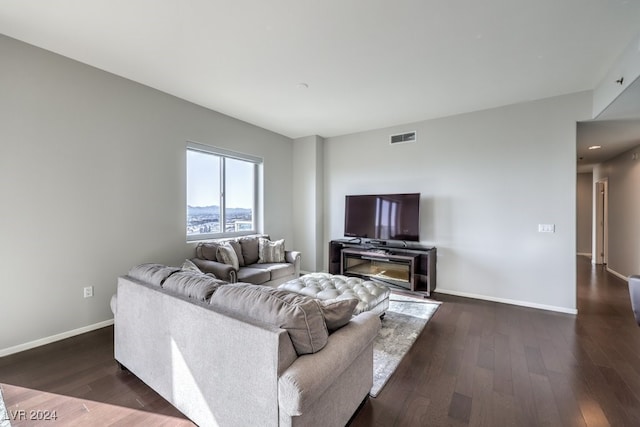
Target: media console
x=412, y=268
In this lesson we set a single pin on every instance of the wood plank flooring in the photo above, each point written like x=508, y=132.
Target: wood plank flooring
x=475, y=364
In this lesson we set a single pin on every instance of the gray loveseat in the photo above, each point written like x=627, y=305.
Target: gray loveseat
x=221, y=367
x=250, y=270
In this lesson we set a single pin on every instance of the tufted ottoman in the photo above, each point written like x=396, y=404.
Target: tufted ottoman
x=372, y=296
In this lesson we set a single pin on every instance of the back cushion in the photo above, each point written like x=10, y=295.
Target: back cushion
x=192, y=284
x=154, y=274
x=300, y=316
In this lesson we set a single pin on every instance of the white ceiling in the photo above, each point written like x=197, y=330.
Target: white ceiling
x=368, y=63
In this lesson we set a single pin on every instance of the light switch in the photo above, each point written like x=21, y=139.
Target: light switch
x=546, y=228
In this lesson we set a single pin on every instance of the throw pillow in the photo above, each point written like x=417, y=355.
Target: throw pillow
x=249, y=247
x=188, y=265
x=227, y=255
x=192, y=284
x=299, y=315
x=236, y=247
x=269, y=251
x=337, y=313
x=207, y=250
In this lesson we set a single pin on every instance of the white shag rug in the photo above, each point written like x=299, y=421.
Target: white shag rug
x=4, y=415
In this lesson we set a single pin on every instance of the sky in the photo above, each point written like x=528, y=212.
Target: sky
x=203, y=181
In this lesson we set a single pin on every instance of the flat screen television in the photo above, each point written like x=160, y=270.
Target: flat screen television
x=383, y=216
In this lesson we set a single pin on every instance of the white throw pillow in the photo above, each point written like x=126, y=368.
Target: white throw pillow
x=228, y=255
x=188, y=265
x=269, y=251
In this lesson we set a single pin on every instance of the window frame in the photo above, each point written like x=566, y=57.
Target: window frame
x=226, y=154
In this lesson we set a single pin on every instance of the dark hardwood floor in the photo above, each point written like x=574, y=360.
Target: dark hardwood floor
x=475, y=364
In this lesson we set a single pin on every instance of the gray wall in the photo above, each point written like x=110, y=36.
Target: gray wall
x=308, y=207
x=92, y=173
x=584, y=210
x=92, y=177
x=487, y=180
x=623, y=176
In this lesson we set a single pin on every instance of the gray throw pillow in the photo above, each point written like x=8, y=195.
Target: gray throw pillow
x=154, y=274
x=337, y=313
x=269, y=252
x=249, y=247
x=300, y=316
x=208, y=250
x=192, y=284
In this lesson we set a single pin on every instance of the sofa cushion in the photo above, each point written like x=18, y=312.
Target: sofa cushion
x=227, y=255
x=276, y=270
x=208, y=250
x=192, y=284
x=250, y=248
x=154, y=274
x=269, y=251
x=337, y=313
x=252, y=275
x=300, y=316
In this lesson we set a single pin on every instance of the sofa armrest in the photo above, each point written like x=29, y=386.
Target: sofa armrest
x=114, y=304
x=310, y=375
x=293, y=257
x=222, y=271
x=634, y=294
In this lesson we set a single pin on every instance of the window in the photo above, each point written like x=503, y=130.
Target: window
x=222, y=189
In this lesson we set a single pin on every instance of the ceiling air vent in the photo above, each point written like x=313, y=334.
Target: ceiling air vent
x=403, y=137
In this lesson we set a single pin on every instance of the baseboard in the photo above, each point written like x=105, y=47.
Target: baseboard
x=508, y=301
x=54, y=338
x=615, y=273
x=587, y=254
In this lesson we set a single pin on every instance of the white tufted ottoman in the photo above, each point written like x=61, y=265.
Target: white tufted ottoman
x=372, y=296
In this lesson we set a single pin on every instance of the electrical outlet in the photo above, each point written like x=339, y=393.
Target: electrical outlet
x=546, y=228
x=88, y=291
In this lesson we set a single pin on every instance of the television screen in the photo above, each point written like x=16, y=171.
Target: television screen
x=383, y=216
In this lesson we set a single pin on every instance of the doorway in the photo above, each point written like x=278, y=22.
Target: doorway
x=601, y=223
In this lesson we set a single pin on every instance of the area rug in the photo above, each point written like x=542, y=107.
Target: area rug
x=4, y=415
x=401, y=325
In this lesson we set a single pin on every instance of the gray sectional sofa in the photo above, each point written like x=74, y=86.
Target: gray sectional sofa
x=220, y=352
x=250, y=268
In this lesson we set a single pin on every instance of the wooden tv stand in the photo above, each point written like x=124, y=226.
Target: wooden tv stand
x=412, y=268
